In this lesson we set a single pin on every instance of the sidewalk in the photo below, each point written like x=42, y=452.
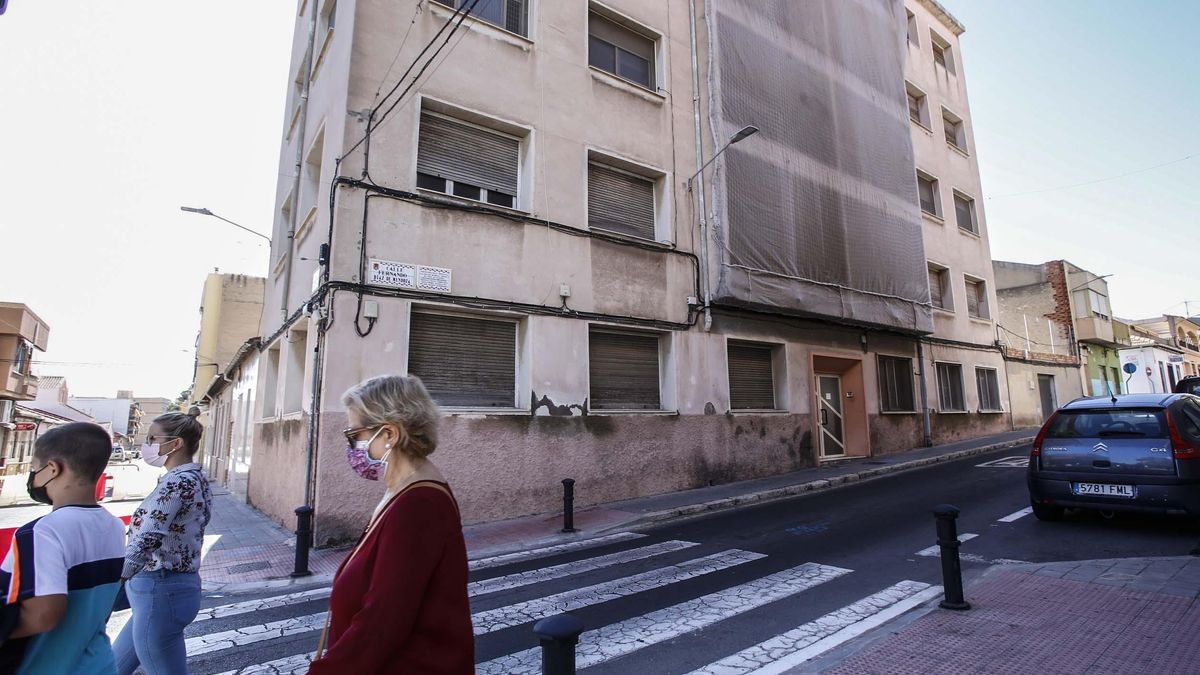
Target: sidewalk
x=1133, y=615
x=503, y=536
x=244, y=550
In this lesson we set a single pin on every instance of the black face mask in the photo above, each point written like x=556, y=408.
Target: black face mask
x=39, y=494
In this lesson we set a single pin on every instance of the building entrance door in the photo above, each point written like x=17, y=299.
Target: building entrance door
x=829, y=409
x=1049, y=400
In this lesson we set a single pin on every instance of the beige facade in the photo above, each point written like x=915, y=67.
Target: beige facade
x=22, y=334
x=151, y=408
x=231, y=308
x=427, y=273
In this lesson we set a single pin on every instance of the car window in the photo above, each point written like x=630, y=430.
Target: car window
x=1148, y=423
x=1188, y=421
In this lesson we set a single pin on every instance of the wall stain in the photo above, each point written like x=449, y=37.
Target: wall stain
x=710, y=409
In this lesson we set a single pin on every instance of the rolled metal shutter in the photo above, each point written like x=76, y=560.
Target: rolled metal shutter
x=464, y=361
x=751, y=379
x=514, y=16
x=624, y=370
x=467, y=154
x=620, y=202
x=896, y=384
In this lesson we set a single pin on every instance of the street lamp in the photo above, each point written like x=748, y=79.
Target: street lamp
x=1089, y=282
x=206, y=212
x=742, y=134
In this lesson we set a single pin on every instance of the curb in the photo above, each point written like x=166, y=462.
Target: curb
x=812, y=486
x=269, y=584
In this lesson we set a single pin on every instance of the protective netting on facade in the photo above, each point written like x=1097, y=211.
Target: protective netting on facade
x=817, y=215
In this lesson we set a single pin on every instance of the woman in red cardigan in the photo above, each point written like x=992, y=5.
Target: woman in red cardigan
x=399, y=601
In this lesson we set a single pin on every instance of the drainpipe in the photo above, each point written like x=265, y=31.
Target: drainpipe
x=294, y=225
x=700, y=162
x=926, y=426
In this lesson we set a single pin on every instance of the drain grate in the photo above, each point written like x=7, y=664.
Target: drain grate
x=249, y=567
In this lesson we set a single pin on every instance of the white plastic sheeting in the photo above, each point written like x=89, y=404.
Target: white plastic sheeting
x=817, y=215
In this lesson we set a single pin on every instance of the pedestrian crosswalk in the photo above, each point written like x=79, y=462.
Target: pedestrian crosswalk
x=639, y=599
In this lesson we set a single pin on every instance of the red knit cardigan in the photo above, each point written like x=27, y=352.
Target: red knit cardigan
x=399, y=605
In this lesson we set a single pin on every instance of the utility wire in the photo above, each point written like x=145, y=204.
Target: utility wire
x=1098, y=180
x=1026, y=339
x=399, y=50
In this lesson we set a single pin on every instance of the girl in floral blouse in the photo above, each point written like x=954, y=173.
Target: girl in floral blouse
x=162, y=559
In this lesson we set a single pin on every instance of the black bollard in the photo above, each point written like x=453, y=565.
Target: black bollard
x=303, y=540
x=947, y=539
x=569, y=505
x=558, y=635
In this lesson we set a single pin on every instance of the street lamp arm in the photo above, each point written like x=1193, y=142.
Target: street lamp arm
x=1089, y=282
x=206, y=212
x=741, y=135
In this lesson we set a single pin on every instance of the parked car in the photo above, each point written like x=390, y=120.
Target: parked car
x=1136, y=452
x=119, y=454
x=1188, y=385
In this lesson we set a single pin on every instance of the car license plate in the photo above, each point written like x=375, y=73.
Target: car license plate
x=1104, y=490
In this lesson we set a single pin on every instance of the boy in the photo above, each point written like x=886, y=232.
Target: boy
x=63, y=570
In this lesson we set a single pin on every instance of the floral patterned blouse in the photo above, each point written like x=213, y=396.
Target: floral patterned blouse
x=167, y=531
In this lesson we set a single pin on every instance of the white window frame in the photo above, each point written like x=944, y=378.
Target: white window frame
x=999, y=397
x=947, y=51
x=524, y=135
x=937, y=195
x=778, y=373
x=985, y=305
x=661, y=179
x=955, y=192
x=947, y=280
x=666, y=389
x=521, y=387
x=447, y=8
x=658, y=68
x=914, y=32
x=962, y=388
x=911, y=382
x=911, y=89
x=959, y=127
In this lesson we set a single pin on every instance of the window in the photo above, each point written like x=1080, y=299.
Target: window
x=511, y=15
x=896, y=384
x=939, y=287
x=977, y=305
x=311, y=188
x=467, y=161
x=23, y=357
x=620, y=51
x=464, y=361
x=1089, y=303
x=988, y=385
x=623, y=368
x=927, y=191
x=295, y=376
x=918, y=105
x=964, y=213
x=326, y=22
x=953, y=126
x=913, y=38
x=950, y=387
x=620, y=201
x=751, y=376
x=270, y=381
x=941, y=52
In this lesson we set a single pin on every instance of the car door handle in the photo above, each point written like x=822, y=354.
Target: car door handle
x=824, y=417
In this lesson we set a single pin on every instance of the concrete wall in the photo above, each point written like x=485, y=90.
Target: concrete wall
x=1026, y=395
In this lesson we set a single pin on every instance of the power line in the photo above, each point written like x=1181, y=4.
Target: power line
x=399, y=50
x=1098, y=180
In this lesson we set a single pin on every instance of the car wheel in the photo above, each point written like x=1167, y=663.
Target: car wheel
x=1046, y=512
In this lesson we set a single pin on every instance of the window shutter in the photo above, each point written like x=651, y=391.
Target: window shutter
x=464, y=361
x=896, y=384
x=466, y=154
x=620, y=202
x=936, y=292
x=973, y=298
x=989, y=389
x=927, y=195
x=962, y=212
x=624, y=370
x=514, y=16
x=751, y=377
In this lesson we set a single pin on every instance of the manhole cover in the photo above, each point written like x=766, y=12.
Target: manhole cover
x=249, y=567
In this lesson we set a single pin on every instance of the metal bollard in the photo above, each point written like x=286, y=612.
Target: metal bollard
x=303, y=540
x=558, y=635
x=947, y=539
x=569, y=505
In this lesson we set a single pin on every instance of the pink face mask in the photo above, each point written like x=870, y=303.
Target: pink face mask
x=359, y=457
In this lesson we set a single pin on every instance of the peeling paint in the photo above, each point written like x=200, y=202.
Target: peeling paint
x=555, y=410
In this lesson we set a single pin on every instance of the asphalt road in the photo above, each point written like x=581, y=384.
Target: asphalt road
x=859, y=540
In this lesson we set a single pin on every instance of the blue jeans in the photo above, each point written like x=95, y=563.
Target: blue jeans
x=163, y=604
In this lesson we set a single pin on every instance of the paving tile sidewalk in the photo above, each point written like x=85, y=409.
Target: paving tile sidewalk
x=1135, y=615
x=502, y=536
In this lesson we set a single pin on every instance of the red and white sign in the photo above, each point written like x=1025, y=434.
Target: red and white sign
x=24, y=426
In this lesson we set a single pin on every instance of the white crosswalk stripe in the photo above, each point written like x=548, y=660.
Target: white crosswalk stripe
x=625, y=637
x=526, y=612
x=239, y=637
x=533, y=554
x=764, y=654
x=289, y=665
x=519, y=579
x=935, y=551
x=222, y=611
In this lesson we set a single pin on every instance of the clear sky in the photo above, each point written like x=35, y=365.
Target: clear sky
x=113, y=114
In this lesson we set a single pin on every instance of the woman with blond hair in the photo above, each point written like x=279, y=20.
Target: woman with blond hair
x=399, y=601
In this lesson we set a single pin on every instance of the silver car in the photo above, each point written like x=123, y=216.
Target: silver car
x=1135, y=452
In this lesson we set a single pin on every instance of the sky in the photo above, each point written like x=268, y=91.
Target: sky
x=114, y=114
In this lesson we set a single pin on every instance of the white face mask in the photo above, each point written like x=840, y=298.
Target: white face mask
x=151, y=456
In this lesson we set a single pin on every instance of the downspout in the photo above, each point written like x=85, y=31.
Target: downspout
x=314, y=413
x=926, y=426
x=700, y=162
x=299, y=168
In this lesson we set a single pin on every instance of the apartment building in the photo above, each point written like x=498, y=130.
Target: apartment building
x=22, y=334
x=552, y=226
x=231, y=307
x=1183, y=334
